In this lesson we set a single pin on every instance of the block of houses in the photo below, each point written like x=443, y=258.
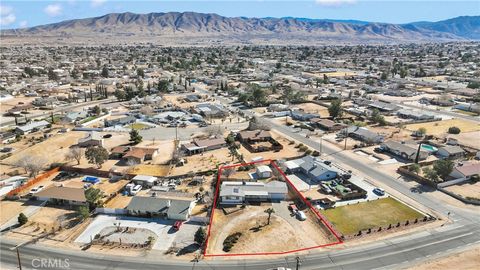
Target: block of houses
x=387, y=108
x=465, y=170
x=303, y=116
x=175, y=209
x=137, y=155
x=210, y=110
x=362, y=134
x=451, y=152
x=236, y=192
x=415, y=115
x=31, y=127
x=63, y=195
x=74, y=116
x=145, y=180
x=327, y=124
x=93, y=138
x=405, y=151
x=199, y=146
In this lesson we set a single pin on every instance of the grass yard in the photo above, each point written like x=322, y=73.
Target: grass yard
x=441, y=127
x=137, y=126
x=352, y=218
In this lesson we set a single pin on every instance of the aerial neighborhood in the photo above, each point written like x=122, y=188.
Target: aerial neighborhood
x=193, y=153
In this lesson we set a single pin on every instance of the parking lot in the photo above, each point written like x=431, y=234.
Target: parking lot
x=166, y=236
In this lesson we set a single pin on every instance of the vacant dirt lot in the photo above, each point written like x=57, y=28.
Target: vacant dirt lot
x=257, y=236
x=203, y=162
x=466, y=190
x=352, y=218
x=165, y=153
x=439, y=128
x=153, y=170
x=51, y=150
x=10, y=209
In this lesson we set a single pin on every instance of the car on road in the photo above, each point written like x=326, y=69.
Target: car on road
x=301, y=215
x=177, y=225
x=106, y=136
x=135, y=189
x=379, y=191
x=36, y=190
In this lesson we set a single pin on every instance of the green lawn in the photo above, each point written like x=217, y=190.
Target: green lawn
x=137, y=126
x=350, y=219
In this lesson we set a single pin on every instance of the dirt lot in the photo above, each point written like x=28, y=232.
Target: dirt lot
x=56, y=147
x=288, y=150
x=440, y=128
x=204, y=161
x=466, y=190
x=466, y=260
x=257, y=236
x=352, y=218
x=153, y=170
x=165, y=153
x=10, y=209
x=314, y=108
x=120, y=201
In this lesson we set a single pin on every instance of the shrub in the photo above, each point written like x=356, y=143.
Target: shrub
x=230, y=241
x=454, y=130
x=22, y=219
x=316, y=153
x=308, y=152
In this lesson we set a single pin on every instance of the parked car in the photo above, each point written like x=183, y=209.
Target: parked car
x=292, y=207
x=106, y=136
x=326, y=189
x=36, y=189
x=135, y=189
x=379, y=191
x=177, y=225
x=301, y=215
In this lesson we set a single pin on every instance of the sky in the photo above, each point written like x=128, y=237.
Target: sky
x=22, y=13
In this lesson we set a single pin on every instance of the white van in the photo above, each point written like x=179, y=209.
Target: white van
x=301, y=215
x=135, y=189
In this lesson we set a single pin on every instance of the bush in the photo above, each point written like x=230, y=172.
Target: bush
x=454, y=130
x=308, y=152
x=230, y=241
x=22, y=219
x=316, y=153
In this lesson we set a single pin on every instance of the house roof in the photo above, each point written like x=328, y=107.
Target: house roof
x=159, y=205
x=145, y=178
x=32, y=125
x=209, y=142
x=63, y=193
x=469, y=169
x=91, y=136
x=452, y=149
x=236, y=188
x=315, y=166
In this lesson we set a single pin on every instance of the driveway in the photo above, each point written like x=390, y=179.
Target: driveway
x=161, y=227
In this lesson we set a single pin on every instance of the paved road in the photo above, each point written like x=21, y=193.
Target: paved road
x=387, y=254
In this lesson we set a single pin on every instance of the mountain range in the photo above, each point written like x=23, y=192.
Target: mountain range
x=192, y=25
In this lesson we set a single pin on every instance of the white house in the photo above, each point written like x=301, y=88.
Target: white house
x=145, y=180
x=233, y=192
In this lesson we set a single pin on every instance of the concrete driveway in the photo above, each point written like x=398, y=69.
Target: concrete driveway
x=161, y=227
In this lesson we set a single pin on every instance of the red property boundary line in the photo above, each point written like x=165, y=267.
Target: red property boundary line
x=271, y=162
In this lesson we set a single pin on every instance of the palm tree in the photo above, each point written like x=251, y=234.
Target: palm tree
x=269, y=211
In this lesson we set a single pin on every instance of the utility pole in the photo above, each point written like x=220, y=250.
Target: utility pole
x=297, y=267
x=346, y=136
x=18, y=258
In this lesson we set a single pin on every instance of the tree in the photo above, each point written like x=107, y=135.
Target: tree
x=228, y=172
x=140, y=73
x=403, y=72
x=335, y=109
x=119, y=94
x=430, y=174
x=22, y=219
x=200, y=236
x=93, y=196
x=52, y=75
x=31, y=164
x=163, y=86
x=96, y=110
x=96, y=155
x=414, y=168
x=443, y=168
x=75, y=153
x=105, y=72
x=378, y=118
x=135, y=137
x=269, y=211
x=454, y=130
x=259, y=96
x=422, y=130
x=325, y=79
x=83, y=212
